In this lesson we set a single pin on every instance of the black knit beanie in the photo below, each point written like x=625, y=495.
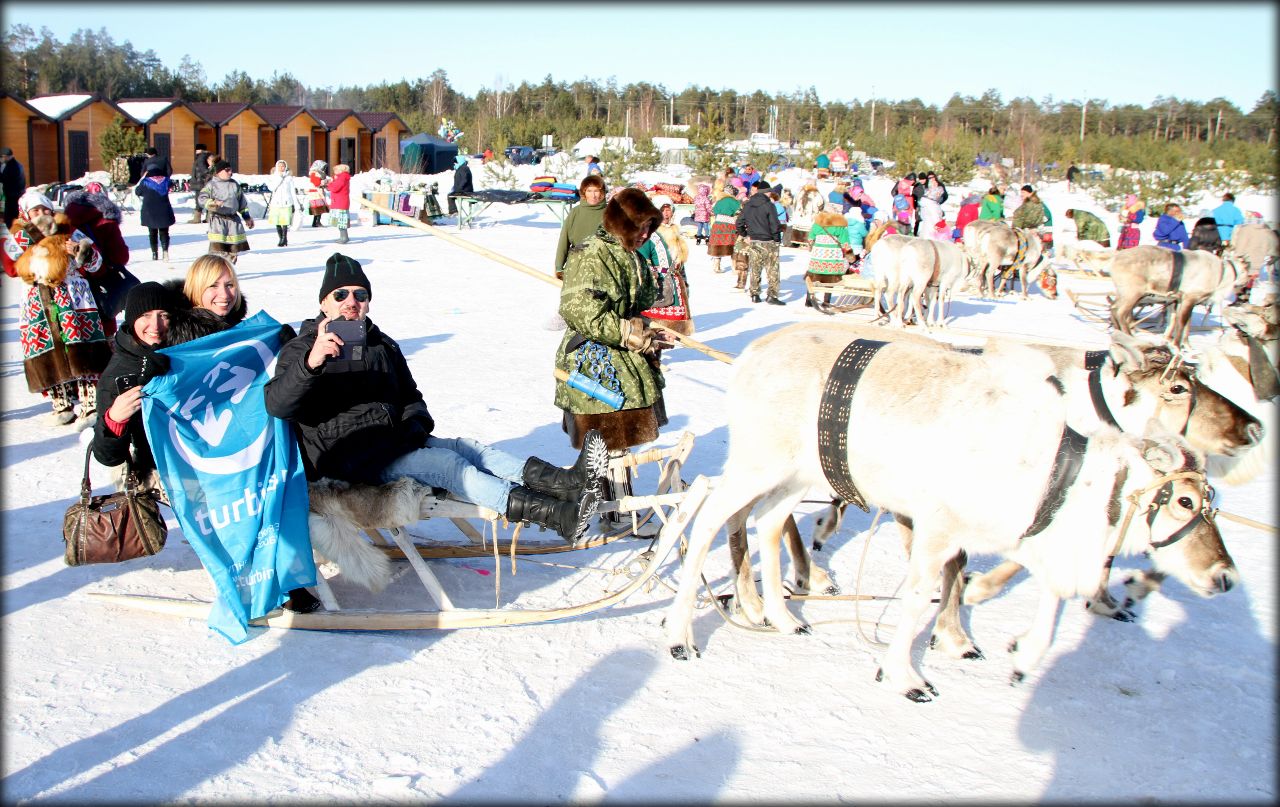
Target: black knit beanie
x=341, y=271
x=144, y=297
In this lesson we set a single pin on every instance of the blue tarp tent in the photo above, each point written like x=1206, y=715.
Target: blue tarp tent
x=426, y=154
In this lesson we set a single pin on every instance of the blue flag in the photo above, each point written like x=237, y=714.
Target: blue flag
x=233, y=472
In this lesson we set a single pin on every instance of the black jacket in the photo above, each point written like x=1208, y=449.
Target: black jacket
x=350, y=425
x=200, y=172
x=157, y=161
x=1204, y=235
x=131, y=357
x=462, y=180
x=157, y=210
x=758, y=219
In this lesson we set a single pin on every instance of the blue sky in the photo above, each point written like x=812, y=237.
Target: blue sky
x=1120, y=52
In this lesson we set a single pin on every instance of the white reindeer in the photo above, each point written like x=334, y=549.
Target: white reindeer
x=963, y=447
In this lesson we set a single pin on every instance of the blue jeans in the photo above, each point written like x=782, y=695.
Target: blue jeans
x=467, y=468
x=702, y=229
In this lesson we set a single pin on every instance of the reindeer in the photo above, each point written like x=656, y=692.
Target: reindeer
x=994, y=245
x=954, y=269
x=1189, y=277
x=903, y=266
x=1001, y=425
x=1254, y=246
x=1137, y=381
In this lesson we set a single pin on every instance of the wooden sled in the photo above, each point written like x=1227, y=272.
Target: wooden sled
x=673, y=506
x=1151, y=313
x=851, y=293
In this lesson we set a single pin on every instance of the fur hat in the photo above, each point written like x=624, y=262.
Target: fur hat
x=220, y=165
x=1028, y=189
x=830, y=217
x=628, y=214
x=341, y=271
x=144, y=297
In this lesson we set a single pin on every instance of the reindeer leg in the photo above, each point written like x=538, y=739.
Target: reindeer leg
x=748, y=598
x=1022, y=278
x=809, y=575
x=949, y=635
x=774, y=510
x=982, y=587
x=924, y=566
x=1030, y=647
x=1102, y=603
x=726, y=500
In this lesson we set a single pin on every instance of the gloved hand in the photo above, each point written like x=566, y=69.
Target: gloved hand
x=638, y=336
x=416, y=431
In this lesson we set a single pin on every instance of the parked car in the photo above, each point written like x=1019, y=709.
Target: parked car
x=520, y=155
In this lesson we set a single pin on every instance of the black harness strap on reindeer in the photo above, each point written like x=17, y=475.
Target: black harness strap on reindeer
x=1066, y=467
x=833, y=417
x=1175, y=278
x=1093, y=362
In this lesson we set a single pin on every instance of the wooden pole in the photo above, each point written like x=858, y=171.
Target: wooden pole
x=528, y=270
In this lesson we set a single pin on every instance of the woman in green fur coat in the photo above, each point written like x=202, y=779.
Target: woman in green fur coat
x=606, y=287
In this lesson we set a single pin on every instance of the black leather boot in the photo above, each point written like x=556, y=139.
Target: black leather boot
x=569, y=519
x=302, y=601
x=566, y=483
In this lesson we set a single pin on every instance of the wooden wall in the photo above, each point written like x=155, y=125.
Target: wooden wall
x=180, y=124
x=300, y=126
x=351, y=127
x=94, y=118
x=245, y=127
x=43, y=167
x=13, y=131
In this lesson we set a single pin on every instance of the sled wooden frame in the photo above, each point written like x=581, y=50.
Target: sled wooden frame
x=683, y=505
x=853, y=292
x=1150, y=312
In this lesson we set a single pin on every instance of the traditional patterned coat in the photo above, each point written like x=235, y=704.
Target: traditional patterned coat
x=828, y=243
x=58, y=322
x=226, y=205
x=671, y=284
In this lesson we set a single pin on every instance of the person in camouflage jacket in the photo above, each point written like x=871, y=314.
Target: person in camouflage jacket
x=606, y=287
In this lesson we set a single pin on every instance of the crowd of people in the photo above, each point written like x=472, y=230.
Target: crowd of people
x=625, y=297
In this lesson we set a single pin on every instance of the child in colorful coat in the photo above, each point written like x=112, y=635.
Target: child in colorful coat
x=702, y=214
x=340, y=199
x=64, y=348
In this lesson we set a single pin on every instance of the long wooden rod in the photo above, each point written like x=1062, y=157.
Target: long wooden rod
x=520, y=267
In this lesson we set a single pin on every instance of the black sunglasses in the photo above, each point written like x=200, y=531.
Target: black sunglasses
x=362, y=295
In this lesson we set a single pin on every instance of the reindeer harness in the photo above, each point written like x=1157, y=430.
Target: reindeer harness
x=1094, y=361
x=833, y=417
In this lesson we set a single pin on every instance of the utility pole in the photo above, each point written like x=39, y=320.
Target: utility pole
x=1083, y=110
x=672, y=98
x=872, y=128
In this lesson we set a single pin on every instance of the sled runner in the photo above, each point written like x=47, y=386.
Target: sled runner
x=851, y=293
x=672, y=504
x=1150, y=314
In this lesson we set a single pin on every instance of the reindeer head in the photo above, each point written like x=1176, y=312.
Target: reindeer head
x=1169, y=512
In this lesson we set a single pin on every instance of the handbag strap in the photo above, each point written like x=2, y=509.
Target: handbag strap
x=86, y=487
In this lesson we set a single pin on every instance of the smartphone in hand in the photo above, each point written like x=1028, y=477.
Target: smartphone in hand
x=352, y=334
x=126, y=382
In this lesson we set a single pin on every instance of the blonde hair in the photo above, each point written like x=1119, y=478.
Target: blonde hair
x=204, y=272
x=341, y=168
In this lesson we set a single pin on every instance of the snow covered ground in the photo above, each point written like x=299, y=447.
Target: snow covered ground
x=107, y=704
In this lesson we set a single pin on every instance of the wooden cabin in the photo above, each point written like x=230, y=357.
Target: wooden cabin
x=232, y=131
x=33, y=138
x=350, y=141
x=171, y=126
x=386, y=130
x=77, y=121
x=291, y=135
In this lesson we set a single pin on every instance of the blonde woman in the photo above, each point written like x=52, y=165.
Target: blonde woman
x=208, y=300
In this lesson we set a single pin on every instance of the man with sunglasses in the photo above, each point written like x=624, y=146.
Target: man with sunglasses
x=361, y=418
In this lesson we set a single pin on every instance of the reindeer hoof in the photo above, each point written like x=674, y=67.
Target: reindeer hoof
x=973, y=655
x=1121, y=615
x=1017, y=678
x=917, y=695
x=933, y=642
x=879, y=674
x=803, y=630
x=681, y=652
x=725, y=600
x=832, y=590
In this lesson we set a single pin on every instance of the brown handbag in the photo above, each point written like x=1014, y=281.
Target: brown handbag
x=113, y=528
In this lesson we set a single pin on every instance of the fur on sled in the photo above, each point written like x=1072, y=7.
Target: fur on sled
x=340, y=510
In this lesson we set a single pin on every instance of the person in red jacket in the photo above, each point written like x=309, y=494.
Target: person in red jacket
x=340, y=199
x=968, y=212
